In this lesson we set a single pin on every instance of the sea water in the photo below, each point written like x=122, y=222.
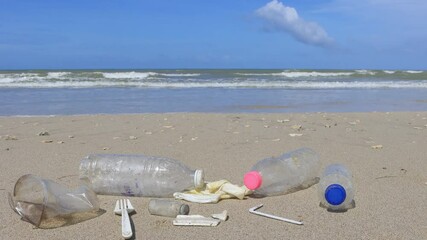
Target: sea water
x=65, y=92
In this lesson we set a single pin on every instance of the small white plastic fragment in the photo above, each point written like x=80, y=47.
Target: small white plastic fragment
x=195, y=220
x=221, y=216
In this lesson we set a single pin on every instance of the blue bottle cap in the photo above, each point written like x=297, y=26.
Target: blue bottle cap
x=335, y=194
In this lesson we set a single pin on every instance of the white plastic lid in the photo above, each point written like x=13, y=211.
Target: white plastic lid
x=199, y=178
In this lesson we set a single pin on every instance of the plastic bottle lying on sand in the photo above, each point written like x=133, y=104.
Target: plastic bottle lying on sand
x=167, y=208
x=138, y=175
x=335, y=189
x=287, y=173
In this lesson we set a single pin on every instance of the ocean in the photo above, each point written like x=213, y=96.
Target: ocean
x=70, y=92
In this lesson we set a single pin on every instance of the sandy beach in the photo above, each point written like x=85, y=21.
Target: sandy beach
x=387, y=153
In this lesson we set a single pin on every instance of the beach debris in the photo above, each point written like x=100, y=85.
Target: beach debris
x=276, y=140
x=283, y=120
x=194, y=138
x=168, y=126
x=418, y=128
x=9, y=137
x=327, y=126
x=353, y=123
x=70, y=136
x=132, y=138
x=148, y=133
x=379, y=146
x=295, y=134
x=195, y=220
x=221, y=216
x=105, y=148
x=254, y=211
x=47, y=141
x=266, y=126
x=403, y=170
x=60, y=142
x=44, y=133
x=297, y=127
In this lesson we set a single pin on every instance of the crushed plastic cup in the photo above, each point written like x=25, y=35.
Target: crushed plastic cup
x=47, y=204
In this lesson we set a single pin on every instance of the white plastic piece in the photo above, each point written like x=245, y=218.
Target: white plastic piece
x=124, y=207
x=198, y=198
x=195, y=220
x=221, y=216
x=199, y=177
x=253, y=210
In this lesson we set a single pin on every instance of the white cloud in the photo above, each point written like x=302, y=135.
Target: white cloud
x=278, y=17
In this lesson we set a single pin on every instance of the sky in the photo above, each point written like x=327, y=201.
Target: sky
x=147, y=34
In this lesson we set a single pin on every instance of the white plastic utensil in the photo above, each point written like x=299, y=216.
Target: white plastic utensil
x=253, y=210
x=124, y=207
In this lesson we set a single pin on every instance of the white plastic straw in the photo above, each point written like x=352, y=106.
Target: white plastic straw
x=253, y=210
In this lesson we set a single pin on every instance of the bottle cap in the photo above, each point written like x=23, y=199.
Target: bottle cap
x=252, y=180
x=335, y=194
x=184, y=209
x=199, y=179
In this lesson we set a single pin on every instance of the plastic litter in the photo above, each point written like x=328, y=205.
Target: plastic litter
x=167, y=208
x=221, y=216
x=254, y=211
x=47, y=204
x=336, y=191
x=124, y=207
x=214, y=192
x=138, y=175
x=284, y=174
x=195, y=220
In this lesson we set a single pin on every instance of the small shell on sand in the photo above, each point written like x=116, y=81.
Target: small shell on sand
x=47, y=141
x=297, y=127
x=283, y=120
x=71, y=136
x=132, y=138
x=44, y=133
x=377, y=146
x=295, y=134
x=9, y=137
x=276, y=140
x=60, y=142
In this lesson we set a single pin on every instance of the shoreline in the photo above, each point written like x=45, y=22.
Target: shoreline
x=386, y=152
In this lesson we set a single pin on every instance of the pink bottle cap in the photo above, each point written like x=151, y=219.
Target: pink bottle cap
x=252, y=180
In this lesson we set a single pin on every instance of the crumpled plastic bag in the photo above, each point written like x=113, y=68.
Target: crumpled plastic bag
x=214, y=192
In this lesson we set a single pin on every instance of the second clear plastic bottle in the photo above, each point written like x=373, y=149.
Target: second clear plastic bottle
x=287, y=173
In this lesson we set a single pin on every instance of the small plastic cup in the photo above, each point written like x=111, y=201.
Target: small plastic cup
x=47, y=204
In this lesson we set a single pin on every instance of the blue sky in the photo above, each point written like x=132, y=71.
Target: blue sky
x=321, y=34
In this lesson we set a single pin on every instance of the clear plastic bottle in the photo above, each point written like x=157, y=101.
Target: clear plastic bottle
x=335, y=188
x=138, y=175
x=167, y=208
x=287, y=173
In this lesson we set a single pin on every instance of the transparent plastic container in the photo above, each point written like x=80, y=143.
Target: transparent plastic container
x=167, y=208
x=336, y=192
x=287, y=173
x=138, y=175
x=47, y=204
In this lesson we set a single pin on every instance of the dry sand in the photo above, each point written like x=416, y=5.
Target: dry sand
x=387, y=153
